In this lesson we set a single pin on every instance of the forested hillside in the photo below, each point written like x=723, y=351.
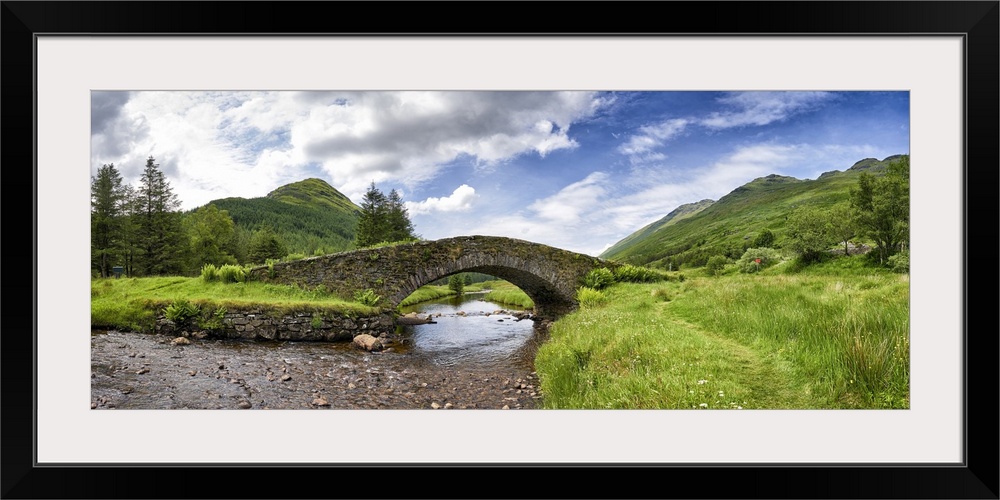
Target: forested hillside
x=308, y=216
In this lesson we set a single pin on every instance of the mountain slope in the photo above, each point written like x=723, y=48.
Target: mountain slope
x=308, y=215
x=677, y=214
x=729, y=225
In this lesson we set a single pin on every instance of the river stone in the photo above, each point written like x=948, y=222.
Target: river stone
x=368, y=342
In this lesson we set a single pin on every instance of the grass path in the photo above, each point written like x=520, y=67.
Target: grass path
x=765, y=380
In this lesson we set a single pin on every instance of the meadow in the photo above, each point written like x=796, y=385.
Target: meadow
x=777, y=340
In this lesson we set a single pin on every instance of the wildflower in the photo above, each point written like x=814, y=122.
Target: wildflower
x=700, y=382
x=704, y=405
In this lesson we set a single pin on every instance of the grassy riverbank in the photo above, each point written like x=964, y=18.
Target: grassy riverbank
x=503, y=292
x=427, y=292
x=779, y=341
x=130, y=304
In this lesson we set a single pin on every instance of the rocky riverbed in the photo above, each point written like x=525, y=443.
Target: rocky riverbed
x=154, y=371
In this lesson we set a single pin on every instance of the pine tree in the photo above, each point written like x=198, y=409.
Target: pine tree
x=129, y=245
x=106, y=210
x=398, y=219
x=158, y=221
x=384, y=219
x=371, y=225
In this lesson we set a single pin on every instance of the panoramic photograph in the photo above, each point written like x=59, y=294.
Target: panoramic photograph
x=500, y=250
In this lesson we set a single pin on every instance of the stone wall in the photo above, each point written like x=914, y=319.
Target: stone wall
x=258, y=324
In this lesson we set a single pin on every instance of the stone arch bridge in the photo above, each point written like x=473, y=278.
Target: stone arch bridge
x=549, y=275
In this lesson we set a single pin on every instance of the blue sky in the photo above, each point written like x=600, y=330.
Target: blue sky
x=575, y=170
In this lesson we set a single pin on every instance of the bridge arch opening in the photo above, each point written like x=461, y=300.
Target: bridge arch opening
x=548, y=300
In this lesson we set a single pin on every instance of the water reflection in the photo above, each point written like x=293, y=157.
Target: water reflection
x=470, y=330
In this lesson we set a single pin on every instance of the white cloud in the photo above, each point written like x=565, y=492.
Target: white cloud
x=573, y=202
x=640, y=146
x=459, y=201
x=761, y=108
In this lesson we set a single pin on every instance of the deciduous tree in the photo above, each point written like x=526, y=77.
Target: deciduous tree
x=210, y=232
x=809, y=232
x=881, y=208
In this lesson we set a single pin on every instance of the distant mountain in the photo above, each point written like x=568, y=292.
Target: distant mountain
x=308, y=215
x=679, y=213
x=694, y=232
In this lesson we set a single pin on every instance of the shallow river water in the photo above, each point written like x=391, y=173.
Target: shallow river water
x=472, y=357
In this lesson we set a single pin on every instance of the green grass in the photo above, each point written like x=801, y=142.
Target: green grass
x=781, y=342
x=132, y=303
x=506, y=293
x=425, y=293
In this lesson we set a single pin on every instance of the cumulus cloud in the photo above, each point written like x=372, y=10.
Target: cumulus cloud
x=353, y=138
x=409, y=136
x=459, y=201
x=761, y=108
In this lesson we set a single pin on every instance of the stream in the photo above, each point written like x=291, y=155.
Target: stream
x=475, y=356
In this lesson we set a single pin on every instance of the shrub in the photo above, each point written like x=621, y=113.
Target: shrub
x=588, y=297
x=367, y=297
x=317, y=321
x=900, y=262
x=598, y=278
x=214, y=321
x=270, y=267
x=767, y=257
x=209, y=273
x=664, y=294
x=716, y=264
x=630, y=273
x=180, y=311
x=764, y=239
x=293, y=256
x=230, y=273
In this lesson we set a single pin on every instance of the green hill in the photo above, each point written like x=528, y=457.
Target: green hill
x=309, y=216
x=677, y=214
x=729, y=225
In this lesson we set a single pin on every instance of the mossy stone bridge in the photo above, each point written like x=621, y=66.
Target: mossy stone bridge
x=549, y=275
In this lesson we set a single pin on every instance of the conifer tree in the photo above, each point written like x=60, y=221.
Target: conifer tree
x=107, y=198
x=158, y=221
x=384, y=219
x=398, y=219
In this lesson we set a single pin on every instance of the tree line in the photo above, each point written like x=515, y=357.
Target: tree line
x=141, y=229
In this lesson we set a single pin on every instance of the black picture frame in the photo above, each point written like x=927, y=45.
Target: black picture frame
x=976, y=21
